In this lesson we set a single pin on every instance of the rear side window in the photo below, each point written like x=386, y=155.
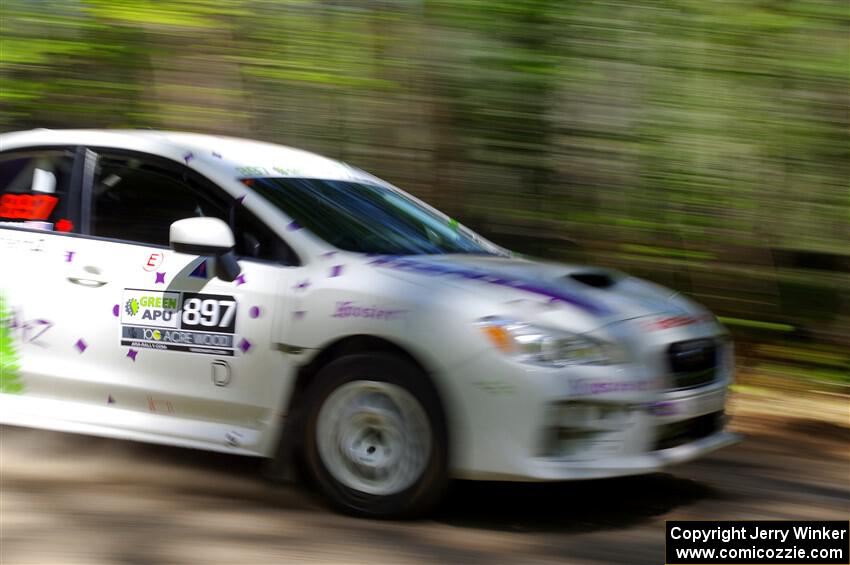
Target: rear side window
x=35, y=190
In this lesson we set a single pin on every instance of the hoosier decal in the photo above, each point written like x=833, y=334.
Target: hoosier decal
x=178, y=321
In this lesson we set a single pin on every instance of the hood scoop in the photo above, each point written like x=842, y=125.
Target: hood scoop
x=598, y=279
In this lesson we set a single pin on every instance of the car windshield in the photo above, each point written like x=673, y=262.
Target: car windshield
x=366, y=218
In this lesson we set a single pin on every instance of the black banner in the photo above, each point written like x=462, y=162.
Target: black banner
x=208, y=312
x=758, y=542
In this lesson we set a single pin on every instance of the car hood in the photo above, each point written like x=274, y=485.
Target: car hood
x=602, y=294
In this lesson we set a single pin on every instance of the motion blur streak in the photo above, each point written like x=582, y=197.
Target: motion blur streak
x=700, y=144
x=106, y=501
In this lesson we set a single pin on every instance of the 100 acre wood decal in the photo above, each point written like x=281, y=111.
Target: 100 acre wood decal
x=178, y=321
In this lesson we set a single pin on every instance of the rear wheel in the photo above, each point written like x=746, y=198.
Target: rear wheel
x=374, y=436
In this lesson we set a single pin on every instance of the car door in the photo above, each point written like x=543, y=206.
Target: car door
x=39, y=215
x=167, y=350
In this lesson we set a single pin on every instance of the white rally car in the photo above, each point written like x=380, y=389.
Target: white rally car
x=244, y=297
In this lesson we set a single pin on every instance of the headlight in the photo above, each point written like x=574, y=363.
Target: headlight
x=546, y=346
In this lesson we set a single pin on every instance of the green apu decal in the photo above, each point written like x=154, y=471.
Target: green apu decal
x=10, y=380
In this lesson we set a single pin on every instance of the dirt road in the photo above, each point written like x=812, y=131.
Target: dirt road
x=70, y=499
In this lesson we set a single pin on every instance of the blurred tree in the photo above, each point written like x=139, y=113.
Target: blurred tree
x=693, y=142
x=10, y=382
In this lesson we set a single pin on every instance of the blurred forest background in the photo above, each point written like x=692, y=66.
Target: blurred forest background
x=703, y=144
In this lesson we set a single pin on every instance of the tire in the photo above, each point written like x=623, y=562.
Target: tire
x=374, y=436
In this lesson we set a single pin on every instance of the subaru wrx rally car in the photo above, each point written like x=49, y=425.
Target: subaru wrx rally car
x=237, y=296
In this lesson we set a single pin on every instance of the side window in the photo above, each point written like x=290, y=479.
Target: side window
x=137, y=201
x=255, y=240
x=35, y=189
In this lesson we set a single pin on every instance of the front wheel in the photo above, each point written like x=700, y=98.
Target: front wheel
x=375, y=438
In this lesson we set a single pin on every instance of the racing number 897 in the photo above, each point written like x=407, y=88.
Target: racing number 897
x=209, y=312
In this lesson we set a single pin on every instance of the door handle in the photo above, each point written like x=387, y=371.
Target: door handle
x=90, y=283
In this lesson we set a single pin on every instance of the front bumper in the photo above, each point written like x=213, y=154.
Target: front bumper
x=554, y=470
x=526, y=423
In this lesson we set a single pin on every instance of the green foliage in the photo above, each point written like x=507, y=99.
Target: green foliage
x=10, y=382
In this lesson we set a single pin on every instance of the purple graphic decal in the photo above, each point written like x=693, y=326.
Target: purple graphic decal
x=244, y=345
x=200, y=271
x=29, y=331
x=380, y=260
x=240, y=280
x=110, y=400
x=81, y=345
x=587, y=387
x=662, y=408
x=303, y=285
x=242, y=198
x=69, y=256
x=131, y=353
x=299, y=314
x=188, y=157
x=554, y=294
x=336, y=271
x=351, y=310
x=328, y=253
x=293, y=226
x=160, y=278
x=116, y=310
x=216, y=155
x=233, y=438
x=254, y=312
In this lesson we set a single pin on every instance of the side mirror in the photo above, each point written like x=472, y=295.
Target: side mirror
x=210, y=237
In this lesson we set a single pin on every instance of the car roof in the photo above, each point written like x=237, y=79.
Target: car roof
x=232, y=156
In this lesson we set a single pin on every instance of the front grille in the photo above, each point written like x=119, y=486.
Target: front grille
x=686, y=431
x=693, y=363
